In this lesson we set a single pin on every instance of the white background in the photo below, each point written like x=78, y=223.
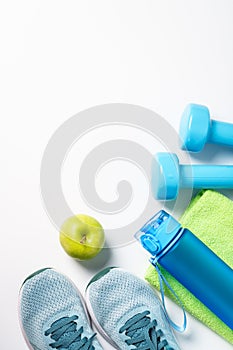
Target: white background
x=60, y=57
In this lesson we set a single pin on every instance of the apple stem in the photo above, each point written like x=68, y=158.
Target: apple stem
x=83, y=240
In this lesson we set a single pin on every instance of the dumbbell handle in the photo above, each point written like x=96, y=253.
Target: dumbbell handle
x=221, y=133
x=206, y=176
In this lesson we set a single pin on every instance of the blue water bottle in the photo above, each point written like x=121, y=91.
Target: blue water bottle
x=191, y=262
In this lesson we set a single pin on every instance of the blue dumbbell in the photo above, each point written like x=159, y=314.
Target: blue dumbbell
x=197, y=129
x=168, y=176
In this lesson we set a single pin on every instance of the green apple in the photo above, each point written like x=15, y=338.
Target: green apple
x=82, y=237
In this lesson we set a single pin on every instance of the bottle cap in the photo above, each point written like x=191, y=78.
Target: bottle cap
x=157, y=235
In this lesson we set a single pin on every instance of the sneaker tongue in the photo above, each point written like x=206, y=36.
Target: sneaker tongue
x=67, y=332
x=135, y=329
x=139, y=334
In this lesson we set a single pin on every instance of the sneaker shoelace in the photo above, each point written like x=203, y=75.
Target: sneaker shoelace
x=65, y=334
x=143, y=334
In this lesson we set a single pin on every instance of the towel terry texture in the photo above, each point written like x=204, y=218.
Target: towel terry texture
x=210, y=217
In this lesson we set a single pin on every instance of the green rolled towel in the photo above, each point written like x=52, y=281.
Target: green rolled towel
x=210, y=217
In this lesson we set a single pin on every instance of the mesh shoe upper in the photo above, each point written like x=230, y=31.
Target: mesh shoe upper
x=48, y=299
x=127, y=310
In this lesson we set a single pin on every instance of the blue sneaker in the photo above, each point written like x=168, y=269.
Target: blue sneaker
x=52, y=314
x=127, y=313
